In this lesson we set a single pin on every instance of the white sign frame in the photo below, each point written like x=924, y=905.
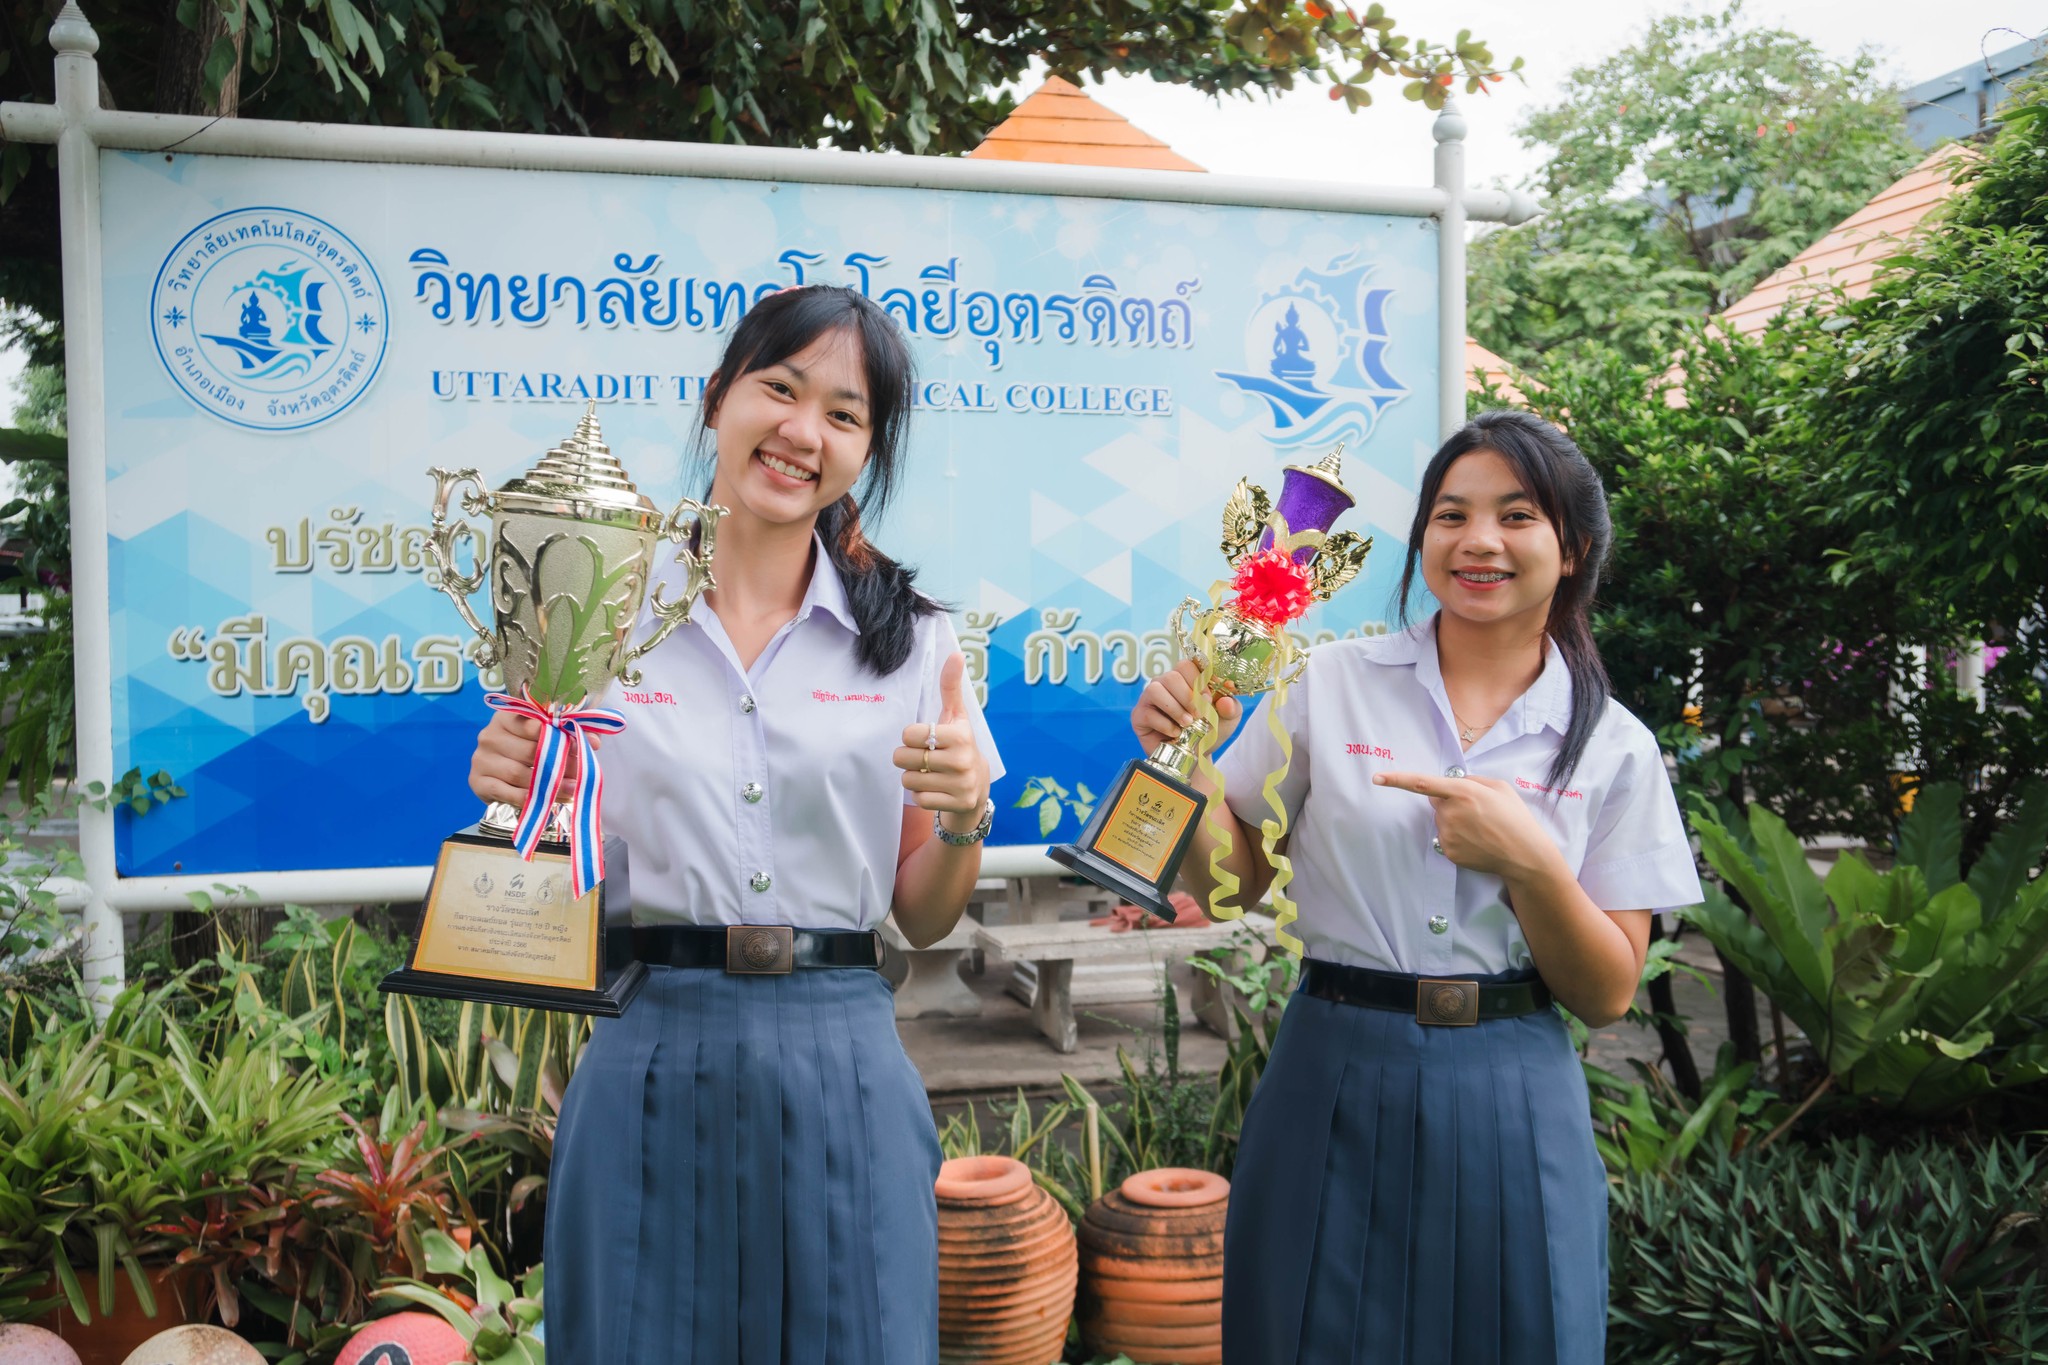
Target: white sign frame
x=80, y=129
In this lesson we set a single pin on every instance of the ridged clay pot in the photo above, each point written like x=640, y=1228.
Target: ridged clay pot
x=1007, y=1265
x=1152, y=1268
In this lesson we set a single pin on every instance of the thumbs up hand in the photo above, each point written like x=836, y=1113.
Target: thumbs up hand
x=942, y=765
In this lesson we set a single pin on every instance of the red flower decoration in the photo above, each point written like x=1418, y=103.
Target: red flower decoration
x=1272, y=588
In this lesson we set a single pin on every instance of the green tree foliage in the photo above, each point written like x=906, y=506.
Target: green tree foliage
x=37, y=720
x=1719, y=618
x=900, y=75
x=1679, y=172
x=1931, y=404
x=1927, y=401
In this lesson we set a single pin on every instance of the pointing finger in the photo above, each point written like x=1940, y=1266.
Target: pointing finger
x=1423, y=784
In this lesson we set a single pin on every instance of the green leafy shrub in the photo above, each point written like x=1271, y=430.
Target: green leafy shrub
x=1920, y=988
x=1929, y=1252
x=1645, y=1125
x=110, y=1133
x=495, y=1318
x=1256, y=981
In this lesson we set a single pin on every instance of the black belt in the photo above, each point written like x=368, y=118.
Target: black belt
x=756, y=949
x=1432, y=1000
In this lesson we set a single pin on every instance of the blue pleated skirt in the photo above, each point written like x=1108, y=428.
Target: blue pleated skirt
x=743, y=1176
x=1416, y=1194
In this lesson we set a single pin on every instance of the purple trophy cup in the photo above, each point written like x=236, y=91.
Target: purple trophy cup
x=1311, y=498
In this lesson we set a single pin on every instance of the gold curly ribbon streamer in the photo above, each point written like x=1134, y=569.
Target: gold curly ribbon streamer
x=1287, y=662
x=1274, y=829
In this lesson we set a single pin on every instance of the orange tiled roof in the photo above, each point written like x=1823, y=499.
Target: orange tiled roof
x=1060, y=124
x=1483, y=367
x=1848, y=256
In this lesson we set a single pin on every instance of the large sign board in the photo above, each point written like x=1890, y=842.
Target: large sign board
x=289, y=345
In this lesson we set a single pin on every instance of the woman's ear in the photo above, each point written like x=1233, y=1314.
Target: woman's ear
x=711, y=413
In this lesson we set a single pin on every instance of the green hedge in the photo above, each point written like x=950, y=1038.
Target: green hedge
x=1932, y=1251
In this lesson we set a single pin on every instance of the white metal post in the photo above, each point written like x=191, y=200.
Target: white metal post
x=78, y=173
x=1449, y=132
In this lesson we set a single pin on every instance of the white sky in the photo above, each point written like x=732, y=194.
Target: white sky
x=1305, y=136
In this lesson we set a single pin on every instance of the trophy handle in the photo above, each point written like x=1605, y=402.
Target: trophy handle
x=441, y=542
x=686, y=517
x=1177, y=624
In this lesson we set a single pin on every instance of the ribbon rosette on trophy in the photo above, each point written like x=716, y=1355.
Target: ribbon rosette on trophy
x=531, y=906
x=1284, y=561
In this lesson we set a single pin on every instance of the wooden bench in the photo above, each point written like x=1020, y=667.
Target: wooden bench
x=1054, y=948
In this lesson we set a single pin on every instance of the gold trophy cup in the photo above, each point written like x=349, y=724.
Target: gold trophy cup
x=532, y=907
x=1285, y=560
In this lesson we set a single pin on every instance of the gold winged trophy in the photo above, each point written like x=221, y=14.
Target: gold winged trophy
x=1284, y=561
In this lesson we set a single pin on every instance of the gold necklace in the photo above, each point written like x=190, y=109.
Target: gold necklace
x=1466, y=734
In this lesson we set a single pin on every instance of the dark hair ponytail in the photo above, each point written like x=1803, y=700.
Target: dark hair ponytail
x=880, y=591
x=1567, y=487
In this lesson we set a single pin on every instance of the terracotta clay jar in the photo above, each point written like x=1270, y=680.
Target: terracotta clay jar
x=1006, y=1265
x=1152, y=1269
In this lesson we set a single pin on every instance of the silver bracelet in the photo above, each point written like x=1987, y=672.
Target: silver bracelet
x=973, y=836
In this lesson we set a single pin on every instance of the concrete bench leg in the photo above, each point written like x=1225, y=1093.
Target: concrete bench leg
x=932, y=986
x=1053, y=1007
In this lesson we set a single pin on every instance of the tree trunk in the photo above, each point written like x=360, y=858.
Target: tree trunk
x=1685, y=1072
x=181, y=64
x=1740, y=996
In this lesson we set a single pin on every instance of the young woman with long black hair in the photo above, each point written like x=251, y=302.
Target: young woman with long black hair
x=743, y=1170
x=1478, y=829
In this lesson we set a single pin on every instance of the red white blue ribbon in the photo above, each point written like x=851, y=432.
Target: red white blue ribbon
x=558, y=727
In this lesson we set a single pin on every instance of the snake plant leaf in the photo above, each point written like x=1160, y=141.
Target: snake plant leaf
x=1962, y=1049
x=1859, y=952
x=1938, y=930
x=1931, y=836
x=435, y=1301
x=493, y=1291
x=2012, y=854
x=444, y=1254
x=1855, y=890
x=1782, y=892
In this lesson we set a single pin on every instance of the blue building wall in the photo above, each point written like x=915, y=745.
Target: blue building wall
x=1965, y=101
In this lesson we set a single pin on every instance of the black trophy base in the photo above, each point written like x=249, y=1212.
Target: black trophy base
x=481, y=878
x=1140, y=832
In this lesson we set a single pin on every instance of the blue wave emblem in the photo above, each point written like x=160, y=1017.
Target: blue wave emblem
x=1332, y=303
x=285, y=298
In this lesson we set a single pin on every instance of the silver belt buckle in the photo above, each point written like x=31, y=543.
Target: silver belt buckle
x=759, y=949
x=1446, y=1004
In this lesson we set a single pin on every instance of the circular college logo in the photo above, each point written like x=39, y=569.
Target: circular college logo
x=269, y=318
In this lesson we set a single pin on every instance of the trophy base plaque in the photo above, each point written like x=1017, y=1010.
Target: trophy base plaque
x=499, y=930
x=1140, y=832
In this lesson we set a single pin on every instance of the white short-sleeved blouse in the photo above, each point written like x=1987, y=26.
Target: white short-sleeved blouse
x=767, y=796
x=1371, y=890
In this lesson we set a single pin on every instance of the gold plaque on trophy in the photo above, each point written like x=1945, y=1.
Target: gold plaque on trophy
x=501, y=923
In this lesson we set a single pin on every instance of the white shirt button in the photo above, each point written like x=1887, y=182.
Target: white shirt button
x=746, y=706
x=1439, y=925
x=752, y=792
x=1454, y=771
x=760, y=881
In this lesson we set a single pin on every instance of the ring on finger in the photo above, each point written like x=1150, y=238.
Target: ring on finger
x=924, y=761
x=931, y=735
